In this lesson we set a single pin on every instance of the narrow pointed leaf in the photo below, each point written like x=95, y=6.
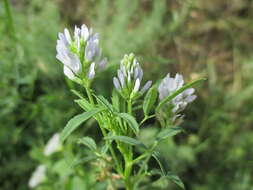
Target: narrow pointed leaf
x=76, y=121
x=131, y=121
x=149, y=100
x=84, y=104
x=89, y=142
x=78, y=94
x=125, y=139
x=115, y=100
x=175, y=179
x=168, y=132
x=161, y=162
x=105, y=103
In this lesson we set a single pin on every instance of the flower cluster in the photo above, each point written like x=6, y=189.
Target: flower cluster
x=170, y=85
x=81, y=56
x=129, y=77
x=39, y=175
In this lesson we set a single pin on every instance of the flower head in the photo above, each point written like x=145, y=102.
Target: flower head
x=129, y=77
x=170, y=85
x=38, y=176
x=53, y=145
x=80, y=54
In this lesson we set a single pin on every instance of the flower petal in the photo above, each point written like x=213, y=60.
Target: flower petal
x=116, y=83
x=68, y=73
x=137, y=85
x=146, y=87
x=67, y=35
x=91, y=73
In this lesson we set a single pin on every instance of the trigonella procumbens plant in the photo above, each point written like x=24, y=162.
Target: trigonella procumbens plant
x=122, y=157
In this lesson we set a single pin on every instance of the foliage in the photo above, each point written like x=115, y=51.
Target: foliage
x=32, y=93
x=194, y=37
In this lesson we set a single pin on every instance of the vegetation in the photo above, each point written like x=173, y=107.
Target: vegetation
x=197, y=38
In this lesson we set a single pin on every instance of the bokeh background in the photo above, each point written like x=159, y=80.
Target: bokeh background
x=197, y=38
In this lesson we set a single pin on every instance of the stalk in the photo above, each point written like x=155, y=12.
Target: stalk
x=103, y=130
x=128, y=156
x=128, y=170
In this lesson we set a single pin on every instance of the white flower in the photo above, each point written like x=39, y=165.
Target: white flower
x=79, y=52
x=129, y=77
x=92, y=50
x=137, y=85
x=116, y=83
x=146, y=87
x=68, y=72
x=91, y=73
x=38, y=176
x=170, y=85
x=53, y=145
x=70, y=60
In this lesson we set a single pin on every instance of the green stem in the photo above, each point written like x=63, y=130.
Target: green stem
x=89, y=95
x=128, y=171
x=129, y=107
x=88, y=91
x=146, y=118
x=139, y=174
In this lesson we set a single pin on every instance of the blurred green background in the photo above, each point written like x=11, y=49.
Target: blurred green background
x=197, y=38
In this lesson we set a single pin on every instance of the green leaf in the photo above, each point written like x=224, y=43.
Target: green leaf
x=115, y=100
x=165, y=170
x=161, y=162
x=173, y=95
x=149, y=100
x=83, y=160
x=78, y=94
x=168, y=132
x=125, y=139
x=131, y=121
x=89, y=142
x=174, y=178
x=105, y=103
x=84, y=104
x=104, y=149
x=76, y=121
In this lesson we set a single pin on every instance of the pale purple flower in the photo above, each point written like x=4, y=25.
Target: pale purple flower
x=91, y=73
x=81, y=49
x=146, y=87
x=116, y=83
x=70, y=60
x=68, y=72
x=129, y=77
x=169, y=85
x=137, y=85
x=92, y=50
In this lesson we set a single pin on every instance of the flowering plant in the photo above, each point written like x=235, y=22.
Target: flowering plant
x=123, y=157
